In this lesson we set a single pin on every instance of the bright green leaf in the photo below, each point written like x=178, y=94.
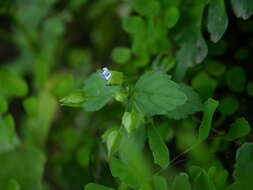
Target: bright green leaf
x=171, y=16
x=3, y=105
x=112, y=137
x=74, y=99
x=121, y=54
x=133, y=24
x=206, y=123
x=160, y=183
x=181, y=182
x=13, y=185
x=12, y=84
x=132, y=120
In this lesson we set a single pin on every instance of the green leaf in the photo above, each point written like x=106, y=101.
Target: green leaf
x=146, y=186
x=12, y=84
x=30, y=105
x=112, y=137
x=181, y=182
x=244, y=167
x=117, y=78
x=238, y=129
x=204, y=85
x=250, y=88
x=8, y=137
x=97, y=92
x=214, y=67
x=146, y=8
x=133, y=24
x=192, y=46
x=3, y=105
x=16, y=164
x=62, y=86
x=191, y=106
x=206, y=123
x=93, y=186
x=74, y=99
x=228, y=106
x=132, y=120
x=217, y=19
x=171, y=16
x=156, y=94
x=236, y=78
x=201, y=179
x=124, y=172
x=121, y=54
x=242, y=8
x=13, y=185
x=158, y=147
x=160, y=183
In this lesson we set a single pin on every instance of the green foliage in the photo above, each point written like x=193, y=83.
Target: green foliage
x=236, y=79
x=205, y=126
x=217, y=19
x=228, y=105
x=160, y=183
x=156, y=59
x=121, y=55
x=158, y=147
x=243, y=9
x=238, y=129
x=191, y=106
x=93, y=186
x=243, y=167
x=181, y=182
x=156, y=94
x=97, y=93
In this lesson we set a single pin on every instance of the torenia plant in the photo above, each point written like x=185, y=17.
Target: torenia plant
x=153, y=93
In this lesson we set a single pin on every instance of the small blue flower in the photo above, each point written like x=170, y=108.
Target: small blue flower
x=106, y=73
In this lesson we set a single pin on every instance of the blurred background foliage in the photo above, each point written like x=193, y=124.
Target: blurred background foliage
x=49, y=47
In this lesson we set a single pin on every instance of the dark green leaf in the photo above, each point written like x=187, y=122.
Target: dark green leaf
x=192, y=105
x=236, y=78
x=228, y=105
x=158, y=147
x=97, y=93
x=93, y=186
x=244, y=167
x=181, y=182
x=238, y=129
x=217, y=19
x=160, y=183
x=156, y=94
x=242, y=8
x=124, y=172
x=25, y=165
